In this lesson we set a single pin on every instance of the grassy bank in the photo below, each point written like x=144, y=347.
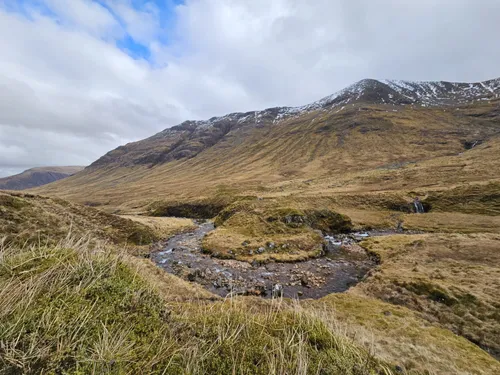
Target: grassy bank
x=27, y=218
x=75, y=308
x=451, y=279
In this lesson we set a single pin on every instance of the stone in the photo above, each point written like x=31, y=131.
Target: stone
x=271, y=245
x=250, y=252
x=304, y=280
x=277, y=290
x=193, y=275
x=257, y=290
x=260, y=250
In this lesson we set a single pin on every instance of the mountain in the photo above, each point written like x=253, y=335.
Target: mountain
x=191, y=137
x=35, y=177
x=365, y=127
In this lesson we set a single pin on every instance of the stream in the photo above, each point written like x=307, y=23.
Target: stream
x=344, y=265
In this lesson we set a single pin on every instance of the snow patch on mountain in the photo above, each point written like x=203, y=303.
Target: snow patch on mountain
x=391, y=92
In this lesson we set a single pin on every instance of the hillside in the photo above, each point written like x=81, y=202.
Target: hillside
x=26, y=219
x=192, y=137
x=368, y=129
x=35, y=177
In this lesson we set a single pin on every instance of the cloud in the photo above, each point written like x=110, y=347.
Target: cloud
x=85, y=15
x=82, y=77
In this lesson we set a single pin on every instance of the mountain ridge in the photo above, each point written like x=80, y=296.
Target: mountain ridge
x=489, y=89
x=191, y=137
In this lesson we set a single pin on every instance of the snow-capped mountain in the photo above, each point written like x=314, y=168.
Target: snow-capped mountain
x=439, y=93
x=411, y=92
x=191, y=137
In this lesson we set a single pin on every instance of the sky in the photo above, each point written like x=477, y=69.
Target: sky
x=80, y=77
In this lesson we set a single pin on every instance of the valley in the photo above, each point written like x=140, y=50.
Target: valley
x=269, y=239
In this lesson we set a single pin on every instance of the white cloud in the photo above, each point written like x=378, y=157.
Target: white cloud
x=143, y=25
x=86, y=15
x=68, y=94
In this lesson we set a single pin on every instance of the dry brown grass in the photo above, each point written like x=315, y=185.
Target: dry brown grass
x=452, y=222
x=163, y=227
x=27, y=218
x=401, y=336
x=364, y=148
x=452, y=279
x=369, y=164
x=231, y=334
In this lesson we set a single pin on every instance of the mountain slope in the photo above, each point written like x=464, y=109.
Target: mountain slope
x=365, y=127
x=37, y=177
x=191, y=137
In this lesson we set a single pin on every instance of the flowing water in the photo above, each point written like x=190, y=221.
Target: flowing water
x=341, y=267
x=419, y=207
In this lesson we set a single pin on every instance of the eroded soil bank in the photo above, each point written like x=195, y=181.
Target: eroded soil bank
x=340, y=268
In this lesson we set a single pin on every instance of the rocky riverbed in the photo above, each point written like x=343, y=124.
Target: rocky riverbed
x=344, y=264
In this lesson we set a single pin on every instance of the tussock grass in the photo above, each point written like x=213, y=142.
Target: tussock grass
x=164, y=227
x=77, y=308
x=27, y=218
x=452, y=279
x=399, y=335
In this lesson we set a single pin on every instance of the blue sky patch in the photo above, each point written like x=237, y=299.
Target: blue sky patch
x=137, y=50
x=133, y=48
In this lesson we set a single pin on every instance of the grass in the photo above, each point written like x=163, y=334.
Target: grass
x=399, y=335
x=81, y=307
x=264, y=230
x=88, y=306
x=452, y=279
x=75, y=308
x=164, y=227
x=273, y=187
x=358, y=150
x=27, y=218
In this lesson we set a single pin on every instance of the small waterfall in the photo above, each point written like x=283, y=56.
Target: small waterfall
x=419, y=208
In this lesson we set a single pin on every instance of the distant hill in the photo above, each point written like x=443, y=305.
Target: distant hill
x=35, y=177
